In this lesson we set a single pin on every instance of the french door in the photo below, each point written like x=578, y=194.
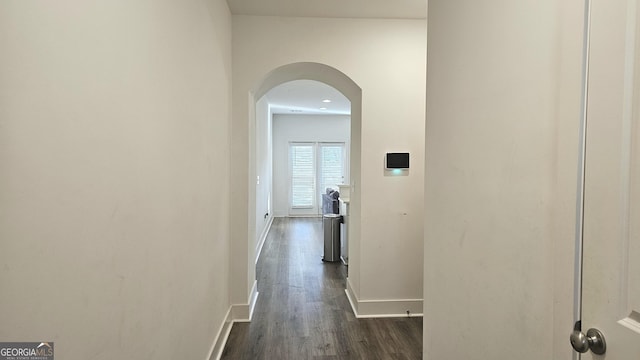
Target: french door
x=314, y=167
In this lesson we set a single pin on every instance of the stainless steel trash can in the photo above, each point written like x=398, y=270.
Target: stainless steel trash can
x=331, y=226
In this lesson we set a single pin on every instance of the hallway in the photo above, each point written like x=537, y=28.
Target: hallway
x=302, y=311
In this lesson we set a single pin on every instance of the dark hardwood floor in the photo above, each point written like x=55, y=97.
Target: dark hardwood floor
x=302, y=311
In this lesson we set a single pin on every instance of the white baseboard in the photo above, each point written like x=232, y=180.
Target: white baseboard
x=221, y=338
x=385, y=308
x=253, y=299
x=244, y=312
x=263, y=237
x=236, y=313
x=281, y=215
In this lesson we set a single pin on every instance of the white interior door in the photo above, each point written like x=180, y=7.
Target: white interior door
x=611, y=268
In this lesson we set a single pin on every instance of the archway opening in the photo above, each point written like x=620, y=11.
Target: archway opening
x=261, y=207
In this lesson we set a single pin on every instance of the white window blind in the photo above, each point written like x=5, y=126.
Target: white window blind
x=331, y=166
x=302, y=175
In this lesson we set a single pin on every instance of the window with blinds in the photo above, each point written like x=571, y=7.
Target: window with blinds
x=303, y=175
x=331, y=166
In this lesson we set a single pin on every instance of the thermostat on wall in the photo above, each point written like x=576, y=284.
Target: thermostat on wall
x=397, y=161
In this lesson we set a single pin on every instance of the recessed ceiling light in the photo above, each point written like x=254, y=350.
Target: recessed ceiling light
x=326, y=101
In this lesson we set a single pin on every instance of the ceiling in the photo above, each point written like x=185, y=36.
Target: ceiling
x=307, y=97
x=376, y=9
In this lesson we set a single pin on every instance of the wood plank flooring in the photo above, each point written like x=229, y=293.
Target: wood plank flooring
x=302, y=311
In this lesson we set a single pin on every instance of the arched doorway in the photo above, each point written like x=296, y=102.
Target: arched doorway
x=244, y=254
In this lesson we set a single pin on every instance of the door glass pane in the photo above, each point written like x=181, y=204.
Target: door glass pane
x=331, y=166
x=302, y=175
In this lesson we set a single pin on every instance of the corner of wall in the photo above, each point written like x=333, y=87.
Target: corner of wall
x=383, y=308
x=263, y=237
x=235, y=313
x=244, y=312
x=221, y=338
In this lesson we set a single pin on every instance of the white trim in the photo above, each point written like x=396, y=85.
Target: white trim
x=582, y=150
x=351, y=296
x=244, y=312
x=253, y=298
x=221, y=338
x=236, y=313
x=263, y=237
x=297, y=216
x=384, y=308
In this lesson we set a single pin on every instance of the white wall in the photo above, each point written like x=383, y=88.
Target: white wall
x=302, y=128
x=386, y=58
x=264, y=211
x=502, y=123
x=114, y=119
